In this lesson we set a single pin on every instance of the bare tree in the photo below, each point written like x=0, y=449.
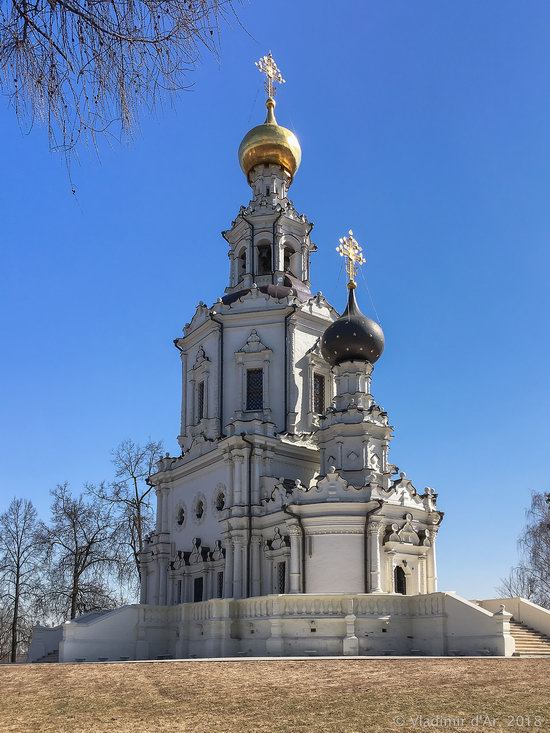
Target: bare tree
x=131, y=495
x=531, y=579
x=83, y=552
x=80, y=65
x=21, y=555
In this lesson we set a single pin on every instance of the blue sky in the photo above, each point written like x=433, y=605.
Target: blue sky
x=424, y=127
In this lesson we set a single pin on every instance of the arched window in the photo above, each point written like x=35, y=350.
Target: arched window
x=264, y=259
x=287, y=259
x=242, y=263
x=400, y=580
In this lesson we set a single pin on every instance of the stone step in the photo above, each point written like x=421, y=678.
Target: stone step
x=529, y=642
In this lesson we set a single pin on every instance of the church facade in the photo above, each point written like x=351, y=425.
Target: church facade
x=283, y=528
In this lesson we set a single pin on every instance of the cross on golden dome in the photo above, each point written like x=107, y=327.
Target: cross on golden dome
x=350, y=248
x=266, y=65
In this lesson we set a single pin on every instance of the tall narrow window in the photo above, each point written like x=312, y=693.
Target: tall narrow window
x=242, y=264
x=220, y=585
x=318, y=392
x=200, y=401
x=287, y=258
x=264, y=259
x=281, y=577
x=255, y=389
x=198, y=585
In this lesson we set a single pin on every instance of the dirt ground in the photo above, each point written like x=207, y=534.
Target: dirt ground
x=378, y=696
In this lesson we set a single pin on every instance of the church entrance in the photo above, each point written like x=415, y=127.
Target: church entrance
x=400, y=580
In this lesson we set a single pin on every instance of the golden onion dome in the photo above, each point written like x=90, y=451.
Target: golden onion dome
x=270, y=143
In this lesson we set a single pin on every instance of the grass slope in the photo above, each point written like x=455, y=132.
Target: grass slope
x=339, y=695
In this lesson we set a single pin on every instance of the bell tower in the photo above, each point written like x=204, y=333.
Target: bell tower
x=269, y=242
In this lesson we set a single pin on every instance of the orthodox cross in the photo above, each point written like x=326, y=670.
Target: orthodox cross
x=350, y=248
x=266, y=65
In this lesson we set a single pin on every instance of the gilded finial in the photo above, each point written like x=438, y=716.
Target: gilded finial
x=350, y=248
x=266, y=65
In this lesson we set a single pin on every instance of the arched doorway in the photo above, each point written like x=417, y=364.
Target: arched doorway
x=400, y=580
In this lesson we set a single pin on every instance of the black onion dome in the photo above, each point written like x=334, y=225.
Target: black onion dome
x=353, y=336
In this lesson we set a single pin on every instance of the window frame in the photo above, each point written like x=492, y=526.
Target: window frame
x=322, y=378
x=252, y=389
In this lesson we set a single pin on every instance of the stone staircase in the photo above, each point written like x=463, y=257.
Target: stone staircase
x=49, y=658
x=529, y=643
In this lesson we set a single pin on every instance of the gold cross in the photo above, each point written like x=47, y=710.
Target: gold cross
x=350, y=248
x=266, y=65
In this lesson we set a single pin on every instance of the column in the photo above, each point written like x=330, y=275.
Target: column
x=163, y=572
x=187, y=588
x=238, y=568
x=339, y=445
x=365, y=452
x=373, y=532
x=266, y=395
x=293, y=395
x=431, y=565
x=295, y=572
x=228, y=458
x=266, y=586
x=191, y=412
x=256, y=466
x=255, y=550
x=183, y=415
x=228, y=569
x=385, y=445
x=155, y=583
x=421, y=569
x=165, y=514
x=143, y=586
x=238, y=483
x=158, y=527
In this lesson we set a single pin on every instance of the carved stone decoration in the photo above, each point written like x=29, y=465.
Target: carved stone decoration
x=218, y=552
x=196, y=555
x=407, y=533
x=201, y=357
x=425, y=538
x=372, y=458
x=253, y=344
x=179, y=562
x=393, y=534
x=279, y=541
x=332, y=485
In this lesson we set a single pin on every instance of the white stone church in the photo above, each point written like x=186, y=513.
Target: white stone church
x=283, y=528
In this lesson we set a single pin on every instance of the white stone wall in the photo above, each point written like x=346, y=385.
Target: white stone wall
x=294, y=625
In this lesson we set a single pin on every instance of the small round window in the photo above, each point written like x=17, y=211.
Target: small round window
x=180, y=517
x=220, y=501
x=199, y=510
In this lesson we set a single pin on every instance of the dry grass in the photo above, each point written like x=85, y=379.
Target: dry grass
x=378, y=696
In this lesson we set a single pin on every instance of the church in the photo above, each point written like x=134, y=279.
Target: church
x=284, y=528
